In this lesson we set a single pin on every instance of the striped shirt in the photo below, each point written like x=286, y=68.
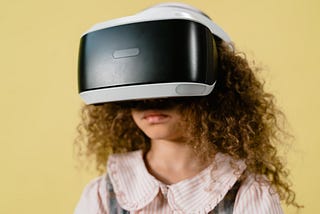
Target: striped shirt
x=139, y=192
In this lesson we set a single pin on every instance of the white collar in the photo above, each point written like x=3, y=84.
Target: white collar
x=135, y=187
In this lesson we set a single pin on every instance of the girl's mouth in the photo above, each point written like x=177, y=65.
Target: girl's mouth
x=155, y=117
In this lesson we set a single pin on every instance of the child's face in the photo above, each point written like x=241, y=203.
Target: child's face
x=158, y=123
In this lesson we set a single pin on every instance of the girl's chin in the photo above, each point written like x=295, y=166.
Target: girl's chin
x=163, y=135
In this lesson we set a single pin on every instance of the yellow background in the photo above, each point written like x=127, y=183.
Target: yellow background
x=39, y=102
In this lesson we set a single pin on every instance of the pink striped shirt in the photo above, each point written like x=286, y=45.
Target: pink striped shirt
x=139, y=192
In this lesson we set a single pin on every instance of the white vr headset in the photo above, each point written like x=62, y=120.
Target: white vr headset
x=164, y=51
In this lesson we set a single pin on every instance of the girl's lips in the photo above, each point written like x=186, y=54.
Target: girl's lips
x=155, y=117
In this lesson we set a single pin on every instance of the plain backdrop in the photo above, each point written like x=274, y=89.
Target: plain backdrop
x=40, y=104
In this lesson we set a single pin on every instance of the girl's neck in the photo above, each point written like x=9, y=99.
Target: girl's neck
x=171, y=162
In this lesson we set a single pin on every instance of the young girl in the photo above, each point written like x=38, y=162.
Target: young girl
x=204, y=154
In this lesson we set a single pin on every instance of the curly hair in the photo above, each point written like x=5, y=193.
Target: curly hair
x=238, y=118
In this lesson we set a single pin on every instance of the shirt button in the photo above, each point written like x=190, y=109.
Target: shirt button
x=164, y=190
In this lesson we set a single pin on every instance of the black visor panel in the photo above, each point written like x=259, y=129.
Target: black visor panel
x=145, y=53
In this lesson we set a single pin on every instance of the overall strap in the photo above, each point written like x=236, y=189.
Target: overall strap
x=114, y=207
x=224, y=207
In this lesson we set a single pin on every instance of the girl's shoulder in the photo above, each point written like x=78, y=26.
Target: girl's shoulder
x=94, y=197
x=256, y=195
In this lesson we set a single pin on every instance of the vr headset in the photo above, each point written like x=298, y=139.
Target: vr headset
x=164, y=51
